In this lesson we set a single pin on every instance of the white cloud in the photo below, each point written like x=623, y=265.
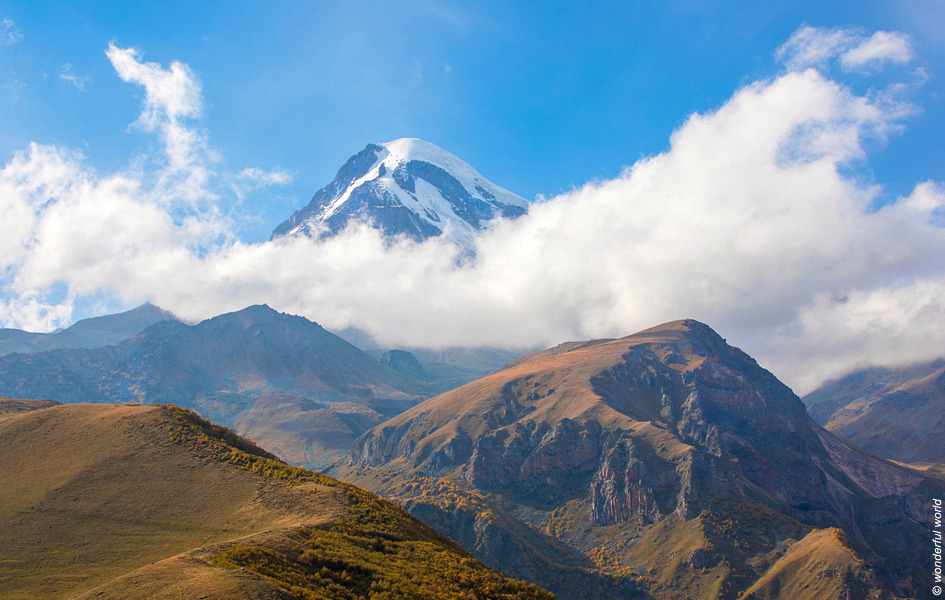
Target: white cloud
x=10, y=34
x=817, y=46
x=81, y=82
x=35, y=313
x=264, y=177
x=881, y=47
x=747, y=222
x=172, y=94
x=814, y=46
x=172, y=100
x=254, y=178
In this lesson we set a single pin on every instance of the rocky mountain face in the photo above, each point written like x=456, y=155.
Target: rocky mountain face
x=130, y=502
x=403, y=361
x=665, y=463
x=87, y=333
x=897, y=413
x=406, y=187
x=290, y=384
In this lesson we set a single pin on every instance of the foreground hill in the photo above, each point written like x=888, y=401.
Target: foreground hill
x=897, y=413
x=671, y=462
x=87, y=333
x=296, y=388
x=134, y=502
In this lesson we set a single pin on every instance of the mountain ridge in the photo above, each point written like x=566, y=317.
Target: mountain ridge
x=895, y=412
x=93, y=332
x=643, y=453
x=282, y=379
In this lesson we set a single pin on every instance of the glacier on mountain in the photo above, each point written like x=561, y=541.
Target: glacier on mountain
x=406, y=187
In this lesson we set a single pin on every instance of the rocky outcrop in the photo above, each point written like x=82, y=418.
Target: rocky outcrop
x=404, y=362
x=537, y=460
x=622, y=487
x=600, y=443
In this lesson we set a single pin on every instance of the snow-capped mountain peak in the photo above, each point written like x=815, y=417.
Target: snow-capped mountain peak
x=406, y=187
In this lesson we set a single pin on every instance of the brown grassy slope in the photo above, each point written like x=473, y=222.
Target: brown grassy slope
x=104, y=492
x=821, y=565
x=904, y=423
x=15, y=406
x=897, y=413
x=930, y=469
x=186, y=577
x=93, y=491
x=257, y=370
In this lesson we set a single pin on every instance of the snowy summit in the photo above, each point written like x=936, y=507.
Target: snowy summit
x=406, y=187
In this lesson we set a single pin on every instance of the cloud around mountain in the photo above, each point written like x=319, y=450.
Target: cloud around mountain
x=755, y=219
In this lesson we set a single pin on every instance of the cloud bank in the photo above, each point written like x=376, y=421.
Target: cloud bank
x=750, y=222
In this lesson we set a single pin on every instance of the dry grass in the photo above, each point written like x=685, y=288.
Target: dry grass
x=94, y=491
x=821, y=565
x=102, y=495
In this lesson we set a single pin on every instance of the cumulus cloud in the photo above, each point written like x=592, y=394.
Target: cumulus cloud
x=817, y=46
x=10, y=34
x=748, y=222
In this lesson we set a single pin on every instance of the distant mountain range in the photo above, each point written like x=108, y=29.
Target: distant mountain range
x=295, y=387
x=119, y=502
x=287, y=382
x=666, y=463
x=406, y=187
x=87, y=333
x=895, y=412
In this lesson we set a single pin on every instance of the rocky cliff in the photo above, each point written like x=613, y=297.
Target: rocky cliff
x=668, y=458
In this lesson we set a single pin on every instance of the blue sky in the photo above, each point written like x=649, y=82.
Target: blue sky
x=539, y=96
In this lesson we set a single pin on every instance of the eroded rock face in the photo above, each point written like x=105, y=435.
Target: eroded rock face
x=512, y=548
x=734, y=416
x=536, y=459
x=455, y=452
x=403, y=361
x=672, y=427
x=622, y=487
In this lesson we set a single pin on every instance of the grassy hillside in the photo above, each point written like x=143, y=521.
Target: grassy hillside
x=153, y=501
x=821, y=565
